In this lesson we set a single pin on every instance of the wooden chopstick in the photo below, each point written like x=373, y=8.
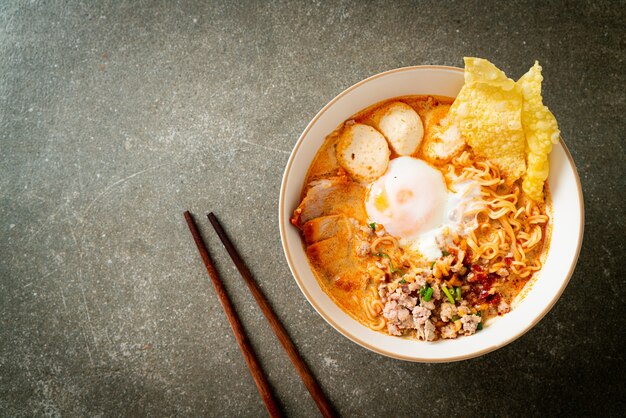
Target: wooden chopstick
x=244, y=344
x=303, y=370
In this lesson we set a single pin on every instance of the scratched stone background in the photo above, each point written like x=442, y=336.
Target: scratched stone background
x=115, y=116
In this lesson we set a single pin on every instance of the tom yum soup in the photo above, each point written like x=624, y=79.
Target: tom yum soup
x=425, y=216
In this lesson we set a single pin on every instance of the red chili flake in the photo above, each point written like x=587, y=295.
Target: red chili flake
x=477, y=268
x=487, y=280
x=482, y=283
x=508, y=261
x=494, y=299
x=480, y=276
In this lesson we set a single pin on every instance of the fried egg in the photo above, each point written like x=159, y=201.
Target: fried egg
x=412, y=202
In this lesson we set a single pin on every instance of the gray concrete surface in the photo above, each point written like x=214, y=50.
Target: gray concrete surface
x=117, y=116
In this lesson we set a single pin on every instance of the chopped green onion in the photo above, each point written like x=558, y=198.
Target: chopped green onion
x=422, y=291
x=458, y=293
x=433, y=264
x=402, y=281
x=455, y=318
x=448, y=294
x=428, y=294
x=373, y=226
x=480, y=326
x=480, y=313
x=445, y=253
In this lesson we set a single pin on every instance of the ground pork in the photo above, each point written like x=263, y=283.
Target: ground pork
x=420, y=280
x=449, y=331
x=470, y=324
x=428, y=305
x=413, y=286
x=420, y=315
x=463, y=310
x=393, y=329
x=448, y=310
x=390, y=311
x=436, y=291
x=397, y=311
x=403, y=298
x=426, y=332
x=403, y=312
x=363, y=249
x=503, y=308
x=403, y=315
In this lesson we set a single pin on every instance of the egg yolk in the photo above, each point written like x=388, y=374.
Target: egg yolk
x=381, y=202
x=404, y=196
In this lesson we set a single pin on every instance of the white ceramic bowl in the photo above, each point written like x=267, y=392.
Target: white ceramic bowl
x=542, y=293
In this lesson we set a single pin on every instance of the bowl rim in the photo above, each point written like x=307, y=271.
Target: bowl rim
x=346, y=333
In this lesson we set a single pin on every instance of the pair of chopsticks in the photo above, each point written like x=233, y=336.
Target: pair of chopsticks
x=244, y=344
